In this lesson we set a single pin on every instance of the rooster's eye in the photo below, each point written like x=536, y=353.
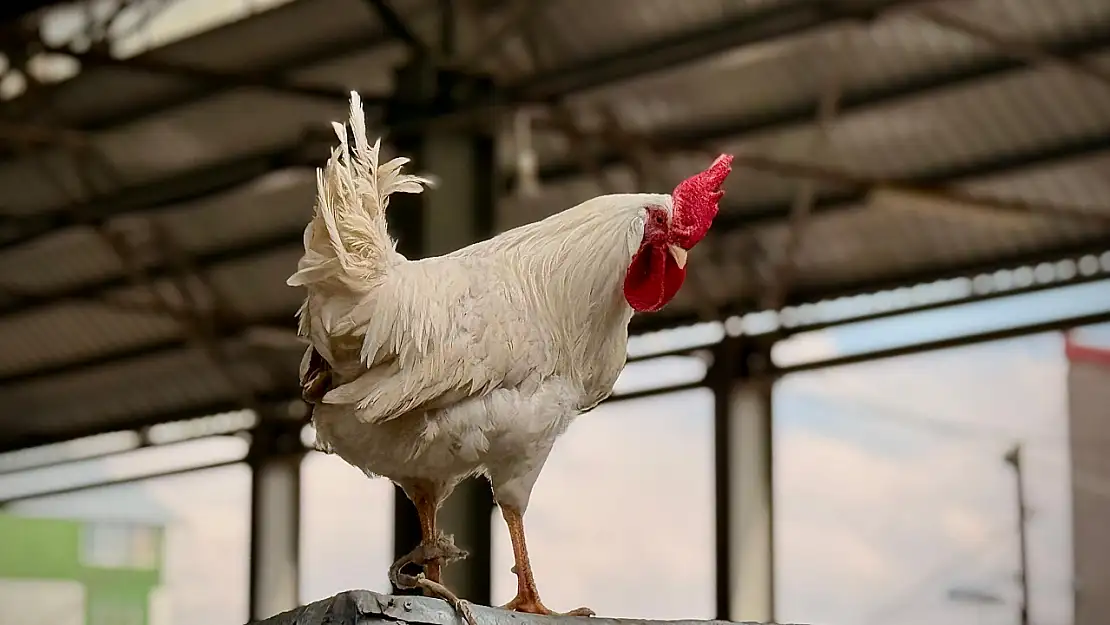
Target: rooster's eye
x=660, y=219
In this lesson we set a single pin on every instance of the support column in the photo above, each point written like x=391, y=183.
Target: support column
x=458, y=212
x=744, y=494
x=275, y=458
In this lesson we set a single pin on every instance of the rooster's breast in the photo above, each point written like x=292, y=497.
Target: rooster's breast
x=477, y=434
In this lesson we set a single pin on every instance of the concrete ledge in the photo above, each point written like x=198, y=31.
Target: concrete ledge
x=363, y=607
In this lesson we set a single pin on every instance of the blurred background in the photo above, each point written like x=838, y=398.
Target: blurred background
x=881, y=397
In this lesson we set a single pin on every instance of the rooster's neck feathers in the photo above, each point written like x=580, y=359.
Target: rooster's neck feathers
x=578, y=257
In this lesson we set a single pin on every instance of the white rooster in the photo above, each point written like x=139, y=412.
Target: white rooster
x=475, y=362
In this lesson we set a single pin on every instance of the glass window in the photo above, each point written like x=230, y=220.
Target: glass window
x=120, y=545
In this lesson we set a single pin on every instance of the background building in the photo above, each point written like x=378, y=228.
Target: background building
x=78, y=573
x=1089, y=428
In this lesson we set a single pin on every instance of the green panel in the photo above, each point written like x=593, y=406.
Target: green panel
x=39, y=548
x=116, y=605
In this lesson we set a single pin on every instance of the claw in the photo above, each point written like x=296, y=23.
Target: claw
x=439, y=591
x=534, y=606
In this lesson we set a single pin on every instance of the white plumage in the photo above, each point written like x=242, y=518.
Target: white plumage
x=471, y=362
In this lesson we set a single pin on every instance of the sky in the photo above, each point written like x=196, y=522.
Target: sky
x=890, y=490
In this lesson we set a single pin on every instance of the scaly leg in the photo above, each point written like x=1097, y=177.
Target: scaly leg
x=527, y=597
x=435, y=550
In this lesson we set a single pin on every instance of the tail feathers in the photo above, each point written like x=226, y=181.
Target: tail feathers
x=348, y=237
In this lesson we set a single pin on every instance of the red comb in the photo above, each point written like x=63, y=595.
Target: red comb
x=695, y=202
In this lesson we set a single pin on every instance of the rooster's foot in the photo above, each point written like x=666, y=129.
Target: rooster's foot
x=439, y=591
x=532, y=605
x=443, y=551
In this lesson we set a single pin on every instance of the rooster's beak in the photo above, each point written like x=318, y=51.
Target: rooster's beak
x=679, y=255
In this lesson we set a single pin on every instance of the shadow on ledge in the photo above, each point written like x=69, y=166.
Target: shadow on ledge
x=362, y=607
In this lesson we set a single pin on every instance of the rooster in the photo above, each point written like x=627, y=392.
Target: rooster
x=429, y=371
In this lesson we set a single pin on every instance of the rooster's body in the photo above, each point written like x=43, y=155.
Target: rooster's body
x=474, y=362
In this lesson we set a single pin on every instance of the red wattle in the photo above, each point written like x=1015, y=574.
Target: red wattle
x=653, y=279
x=673, y=278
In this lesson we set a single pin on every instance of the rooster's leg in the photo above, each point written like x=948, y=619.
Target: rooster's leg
x=435, y=548
x=430, y=539
x=527, y=597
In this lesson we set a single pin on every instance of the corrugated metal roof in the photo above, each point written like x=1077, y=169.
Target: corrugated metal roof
x=572, y=33
x=782, y=73
x=921, y=103
x=280, y=202
x=255, y=287
x=64, y=259
x=114, y=392
x=73, y=332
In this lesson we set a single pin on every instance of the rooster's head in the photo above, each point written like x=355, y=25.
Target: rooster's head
x=658, y=268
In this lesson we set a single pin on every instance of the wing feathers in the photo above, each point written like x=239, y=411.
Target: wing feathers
x=427, y=347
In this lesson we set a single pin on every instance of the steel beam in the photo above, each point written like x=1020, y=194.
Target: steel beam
x=1055, y=325
x=276, y=398
x=114, y=453
x=940, y=305
x=221, y=332
x=1094, y=244
x=54, y=492
x=396, y=25
x=743, y=480
x=275, y=459
x=790, y=330
x=1097, y=243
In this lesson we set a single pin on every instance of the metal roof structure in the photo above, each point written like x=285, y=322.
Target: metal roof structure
x=152, y=206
